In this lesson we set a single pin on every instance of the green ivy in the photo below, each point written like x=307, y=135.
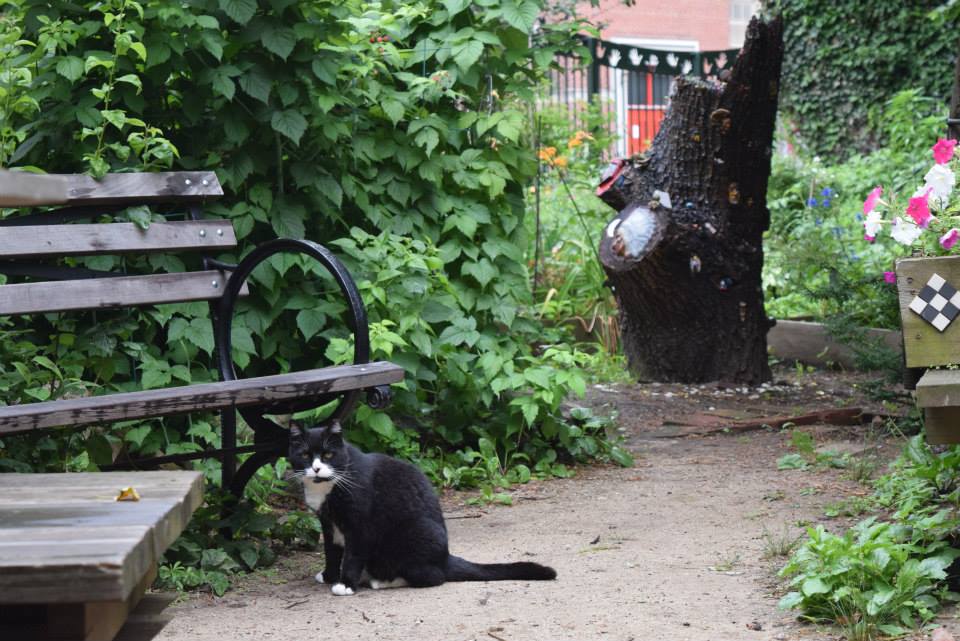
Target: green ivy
x=843, y=60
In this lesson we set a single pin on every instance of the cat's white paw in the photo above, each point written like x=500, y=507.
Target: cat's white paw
x=398, y=582
x=319, y=577
x=341, y=590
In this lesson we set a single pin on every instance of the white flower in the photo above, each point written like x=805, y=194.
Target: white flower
x=904, y=232
x=871, y=226
x=941, y=180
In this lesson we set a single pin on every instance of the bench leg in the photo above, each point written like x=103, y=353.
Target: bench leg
x=228, y=438
x=91, y=621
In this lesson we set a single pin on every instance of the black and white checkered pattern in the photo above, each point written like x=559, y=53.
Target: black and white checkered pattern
x=938, y=302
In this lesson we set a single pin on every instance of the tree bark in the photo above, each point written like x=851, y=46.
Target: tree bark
x=953, y=126
x=684, y=255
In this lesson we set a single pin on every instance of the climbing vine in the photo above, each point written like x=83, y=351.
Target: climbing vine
x=843, y=60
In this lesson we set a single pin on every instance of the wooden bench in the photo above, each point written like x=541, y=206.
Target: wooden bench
x=74, y=561
x=924, y=346
x=28, y=242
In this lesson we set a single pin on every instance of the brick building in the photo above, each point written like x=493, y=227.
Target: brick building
x=675, y=25
x=637, y=98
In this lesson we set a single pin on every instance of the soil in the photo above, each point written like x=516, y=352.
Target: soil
x=682, y=546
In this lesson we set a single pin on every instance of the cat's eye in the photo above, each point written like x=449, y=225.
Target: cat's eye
x=327, y=456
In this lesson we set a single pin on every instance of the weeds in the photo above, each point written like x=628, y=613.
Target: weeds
x=779, y=544
x=884, y=577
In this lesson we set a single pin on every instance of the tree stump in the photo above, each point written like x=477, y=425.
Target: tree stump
x=684, y=255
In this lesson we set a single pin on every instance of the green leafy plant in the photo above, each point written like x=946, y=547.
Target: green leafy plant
x=884, y=576
x=873, y=575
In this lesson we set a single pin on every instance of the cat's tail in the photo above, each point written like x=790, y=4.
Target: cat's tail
x=462, y=570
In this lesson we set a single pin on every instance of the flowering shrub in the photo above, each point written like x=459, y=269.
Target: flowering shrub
x=929, y=208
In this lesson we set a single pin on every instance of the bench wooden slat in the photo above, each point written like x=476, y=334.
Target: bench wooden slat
x=116, y=543
x=114, y=238
x=204, y=396
x=939, y=388
x=121, y=291
x=23, y=190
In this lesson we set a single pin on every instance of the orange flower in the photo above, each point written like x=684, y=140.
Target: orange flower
x=578, y=139
x=560, y=161
x=547, y=153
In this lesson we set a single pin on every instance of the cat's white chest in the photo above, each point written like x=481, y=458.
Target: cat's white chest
x=316, y=493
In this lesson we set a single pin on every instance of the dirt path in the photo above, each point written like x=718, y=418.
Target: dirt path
x=676, y=548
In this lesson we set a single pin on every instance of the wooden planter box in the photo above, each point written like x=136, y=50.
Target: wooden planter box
x=938, y=391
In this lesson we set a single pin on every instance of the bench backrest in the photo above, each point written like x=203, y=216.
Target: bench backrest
x=26, y=240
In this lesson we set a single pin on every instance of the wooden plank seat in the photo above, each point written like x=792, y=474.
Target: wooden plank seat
x=924, y=346
x=74, y=561
x=28, y=244
x=261, y=391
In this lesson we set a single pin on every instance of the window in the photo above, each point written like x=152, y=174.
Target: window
x=740, y=13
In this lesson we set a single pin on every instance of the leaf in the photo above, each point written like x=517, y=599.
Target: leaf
x=70, y=67
x=200, y=333
x=139, y=49
x=310, y=321
x=399, y=190
x=241, y=340
x=521, y=15
x=428, y=138
x=394, y=110
x=256, y=84
x=791, y=600
x=279, y=40
x=224, y=85
x=467, y=54
x=115, y=117
x=240, y=11
x=139, y=216
x=483, y=271
x=287, y=220
x=455, y=6
x=213, y=558
x=137, y=435
x=463, y=331
x=814, y=585
x=289, y=123
x=381, y=424
x=325, y=70
x=250, y=557
x=621, y=457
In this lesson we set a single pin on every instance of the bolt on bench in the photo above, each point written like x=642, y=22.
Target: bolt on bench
x=28, y=244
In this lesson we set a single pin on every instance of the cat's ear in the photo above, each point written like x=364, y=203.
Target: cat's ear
x=335, y=430
x=298, y=433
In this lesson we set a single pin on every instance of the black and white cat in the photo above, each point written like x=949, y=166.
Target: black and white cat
x=382, y=523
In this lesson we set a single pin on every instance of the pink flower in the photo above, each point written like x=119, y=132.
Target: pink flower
x=949, y=239
x=890, y=277
x=943, y=150
x=919, y=210
x=871, y=200
x=869, y=238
